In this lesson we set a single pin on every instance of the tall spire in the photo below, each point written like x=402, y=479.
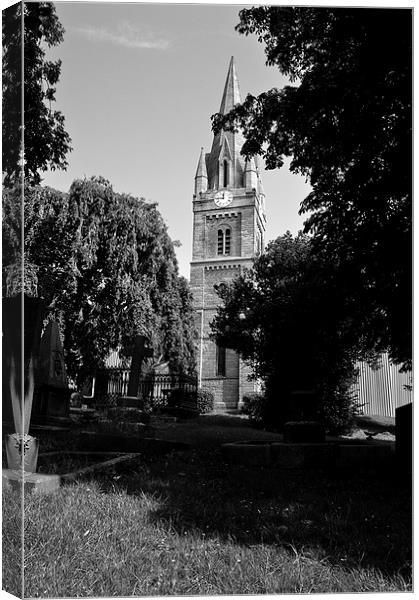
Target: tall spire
x=231, y=94
x=226, y=146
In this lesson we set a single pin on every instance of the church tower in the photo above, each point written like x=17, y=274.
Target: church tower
x=229, y=225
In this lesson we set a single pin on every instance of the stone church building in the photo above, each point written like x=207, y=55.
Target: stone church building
x=229, y=224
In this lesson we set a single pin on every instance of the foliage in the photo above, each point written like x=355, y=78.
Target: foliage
x=346, y=123
x=254, y=405
x=107, y=270
x=46, y=142
x=339, y=411
x=205, y=401
x=289, y=317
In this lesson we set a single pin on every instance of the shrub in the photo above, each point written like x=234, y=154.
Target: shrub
x=205, y=401
x=255, y=405
x=339, y=412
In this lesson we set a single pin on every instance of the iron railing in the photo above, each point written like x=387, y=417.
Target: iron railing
x=154, y=390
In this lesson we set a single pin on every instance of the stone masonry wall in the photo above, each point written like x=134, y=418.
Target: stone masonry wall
x=207, y=269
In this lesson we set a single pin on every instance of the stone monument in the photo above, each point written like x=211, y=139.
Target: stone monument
x=22, y=321
x=52, y=395
x=140, y=351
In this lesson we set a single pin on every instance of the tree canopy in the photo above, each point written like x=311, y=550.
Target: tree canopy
x=288, y=316
x=107, y=269
x=346, y=123
x=46, y=142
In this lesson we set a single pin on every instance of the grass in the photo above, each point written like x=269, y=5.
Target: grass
x=188, y=523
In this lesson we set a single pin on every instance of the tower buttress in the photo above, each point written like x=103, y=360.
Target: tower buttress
x=250, y=174
x=201, y=178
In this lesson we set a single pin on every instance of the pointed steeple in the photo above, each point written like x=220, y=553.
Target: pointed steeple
x=225, y=152
x=231, y=95
x=201, y=178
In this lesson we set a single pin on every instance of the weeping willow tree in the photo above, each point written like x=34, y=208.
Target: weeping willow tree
x=107, y=270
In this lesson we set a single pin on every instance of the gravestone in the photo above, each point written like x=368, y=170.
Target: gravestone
x=12, y=345
x=140, y=351
x=404, y=447
x=52, y=395
x=22, y=320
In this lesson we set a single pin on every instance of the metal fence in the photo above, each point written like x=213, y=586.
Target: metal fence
x=153, y=389
x=380, y=391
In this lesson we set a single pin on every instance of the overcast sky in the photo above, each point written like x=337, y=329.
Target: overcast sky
x=138, y=85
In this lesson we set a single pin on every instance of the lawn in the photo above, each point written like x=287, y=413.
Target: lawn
x=189, y=523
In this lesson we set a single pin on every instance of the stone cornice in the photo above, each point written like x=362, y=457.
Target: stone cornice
x=222, y=215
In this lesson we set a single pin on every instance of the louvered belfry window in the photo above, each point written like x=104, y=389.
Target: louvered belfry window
x=220, y=244
x=227, y=241
x=225, y=174
x=224, y=242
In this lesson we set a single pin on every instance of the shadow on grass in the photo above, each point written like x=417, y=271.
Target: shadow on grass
x=351, y=519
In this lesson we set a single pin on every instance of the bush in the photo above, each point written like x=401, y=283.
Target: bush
x=337, y=408
x=205, y=401
x=255, y=405
x=339, y=412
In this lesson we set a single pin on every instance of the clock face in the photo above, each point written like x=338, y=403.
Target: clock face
x=222, y=199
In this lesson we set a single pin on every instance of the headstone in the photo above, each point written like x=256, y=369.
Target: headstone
x=52, y=395
x=12, y=351
x=140, y=351
x=51, y=367
x=404, y=424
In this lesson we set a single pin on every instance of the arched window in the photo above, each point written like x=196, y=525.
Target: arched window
x=224, y=241
x=225, y=173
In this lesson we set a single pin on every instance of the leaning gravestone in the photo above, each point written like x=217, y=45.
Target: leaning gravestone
x=52, y=395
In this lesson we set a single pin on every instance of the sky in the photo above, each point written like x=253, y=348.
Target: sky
x=138, y=85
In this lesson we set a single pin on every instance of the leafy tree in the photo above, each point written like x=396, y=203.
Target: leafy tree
x=346, y=123
x=107, y=270
x=288, y=317
x=46, y=142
